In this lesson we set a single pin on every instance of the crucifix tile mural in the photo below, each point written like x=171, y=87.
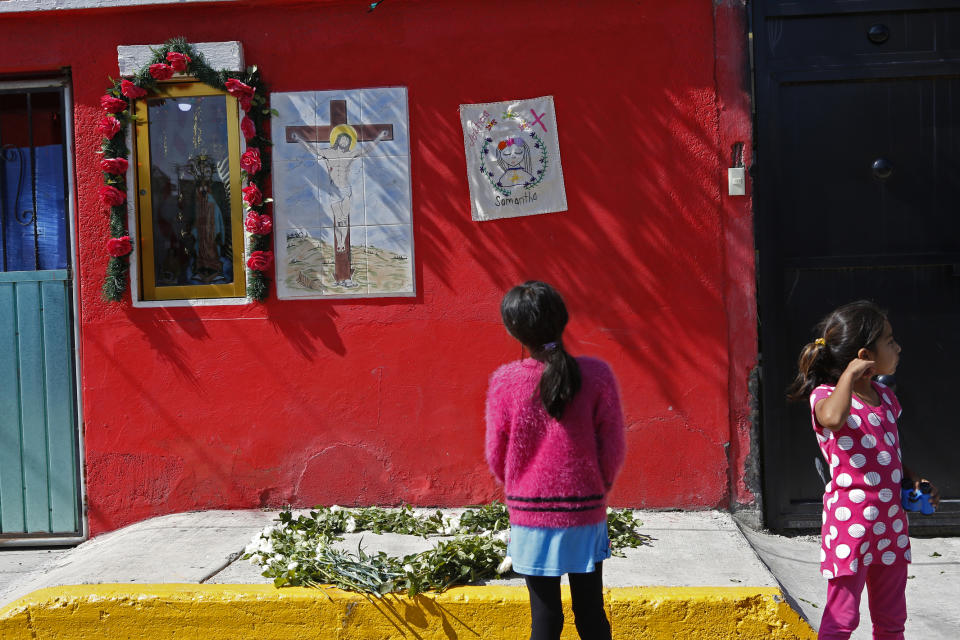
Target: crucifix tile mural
x=341, y=183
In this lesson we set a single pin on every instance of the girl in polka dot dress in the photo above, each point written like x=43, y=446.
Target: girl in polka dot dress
x=864, y=535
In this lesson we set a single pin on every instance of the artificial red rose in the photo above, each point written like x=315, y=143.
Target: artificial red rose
x=252, y=195
x=131, y=90
x=178, y=61
x=112, y=105
x=260, y=260
x=161, y=71
x=116, y=166
x=247, y=127
x=112, y=196
x=250, y=160
x=118, y=247
x=108, y=126
x=237, y=89
x=242, y=92
x=259, y=224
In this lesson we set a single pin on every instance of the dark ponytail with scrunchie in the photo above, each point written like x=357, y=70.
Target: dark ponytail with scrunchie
x=843, y=333
x=534, y=314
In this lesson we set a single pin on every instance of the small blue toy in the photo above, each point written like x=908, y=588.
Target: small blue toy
x=916, y=499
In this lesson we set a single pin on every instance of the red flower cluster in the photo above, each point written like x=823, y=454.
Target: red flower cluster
x=112, y=196
x=258, y=224
x=178, y=61
x=240, y=91
x=247, y=127
x=161, y=71
x=111, y=104
x=108, y=126
x=116, y=166
x=131, y=90
x=118, y=247
x=252, y=195
x=260, y=260
x=250, y=161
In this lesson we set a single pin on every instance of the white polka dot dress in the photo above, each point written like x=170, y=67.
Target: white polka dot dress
x=863, y=521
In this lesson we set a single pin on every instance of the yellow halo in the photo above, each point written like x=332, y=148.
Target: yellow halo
x=343, y=128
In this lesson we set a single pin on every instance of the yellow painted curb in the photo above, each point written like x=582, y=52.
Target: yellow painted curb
x=261, y=612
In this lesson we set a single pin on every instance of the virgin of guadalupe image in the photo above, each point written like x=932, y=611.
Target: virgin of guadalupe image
x=209, y=231
x=337, y=159
x=513, y=158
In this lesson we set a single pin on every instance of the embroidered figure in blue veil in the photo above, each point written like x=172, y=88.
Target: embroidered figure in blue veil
x=513, y=158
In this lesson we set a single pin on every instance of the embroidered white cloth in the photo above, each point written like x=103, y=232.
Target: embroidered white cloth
x=513, y=158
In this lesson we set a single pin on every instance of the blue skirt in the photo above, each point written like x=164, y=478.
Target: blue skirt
x=540, y=551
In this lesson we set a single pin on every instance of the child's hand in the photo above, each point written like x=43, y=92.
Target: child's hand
x=860, y=368
x=832, y=411
x=934, y=494
x=916, y=480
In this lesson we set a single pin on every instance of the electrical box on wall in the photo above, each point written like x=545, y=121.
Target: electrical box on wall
x=737, y=181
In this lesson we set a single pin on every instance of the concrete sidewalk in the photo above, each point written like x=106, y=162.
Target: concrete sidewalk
x=933, y=584
x=688, y=549
x=700, y=576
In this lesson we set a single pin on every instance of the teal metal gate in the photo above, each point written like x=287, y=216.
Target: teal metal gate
x=40, y=489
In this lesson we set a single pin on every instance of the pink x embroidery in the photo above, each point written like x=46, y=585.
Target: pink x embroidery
x=537, y=120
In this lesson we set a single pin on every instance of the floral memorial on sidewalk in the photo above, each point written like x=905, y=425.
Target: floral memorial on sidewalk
x=300, y=550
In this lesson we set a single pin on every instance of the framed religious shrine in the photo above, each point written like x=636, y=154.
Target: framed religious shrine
x=200, y=226
x=190, y=206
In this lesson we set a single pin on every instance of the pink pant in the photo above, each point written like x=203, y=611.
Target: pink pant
x=886, y=588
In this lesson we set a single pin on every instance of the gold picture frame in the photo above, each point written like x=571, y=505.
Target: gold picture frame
x=191, y=240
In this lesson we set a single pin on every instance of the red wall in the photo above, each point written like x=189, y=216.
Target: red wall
x=380, y=401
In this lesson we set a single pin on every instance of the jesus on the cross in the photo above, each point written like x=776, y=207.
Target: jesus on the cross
x=343, y=150
x=337, y=160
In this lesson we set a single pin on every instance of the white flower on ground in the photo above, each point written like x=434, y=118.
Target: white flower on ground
x=609, y=510
x=277, y=557
x=451, y=525
x=335, y=508
x=255, y=559
x=292, y=566
x=351, y=525
x=408, y=568
x=506, y=565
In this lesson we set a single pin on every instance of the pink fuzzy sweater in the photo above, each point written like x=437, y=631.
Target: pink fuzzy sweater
x=554, y=473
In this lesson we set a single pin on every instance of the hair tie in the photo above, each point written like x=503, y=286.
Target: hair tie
x=550, y=346
x=820, y=342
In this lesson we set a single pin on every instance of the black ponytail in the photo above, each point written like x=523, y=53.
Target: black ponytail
x=843, y=333
x=807, y=380
x=534, y=314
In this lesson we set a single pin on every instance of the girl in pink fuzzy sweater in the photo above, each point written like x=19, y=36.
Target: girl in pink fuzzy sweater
x=555, y=439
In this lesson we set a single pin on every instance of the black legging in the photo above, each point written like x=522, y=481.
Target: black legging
x=586, y=592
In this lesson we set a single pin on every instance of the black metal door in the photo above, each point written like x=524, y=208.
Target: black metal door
x=858, y=196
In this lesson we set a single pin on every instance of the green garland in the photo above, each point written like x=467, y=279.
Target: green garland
x=297, y=550
x=114, y=147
